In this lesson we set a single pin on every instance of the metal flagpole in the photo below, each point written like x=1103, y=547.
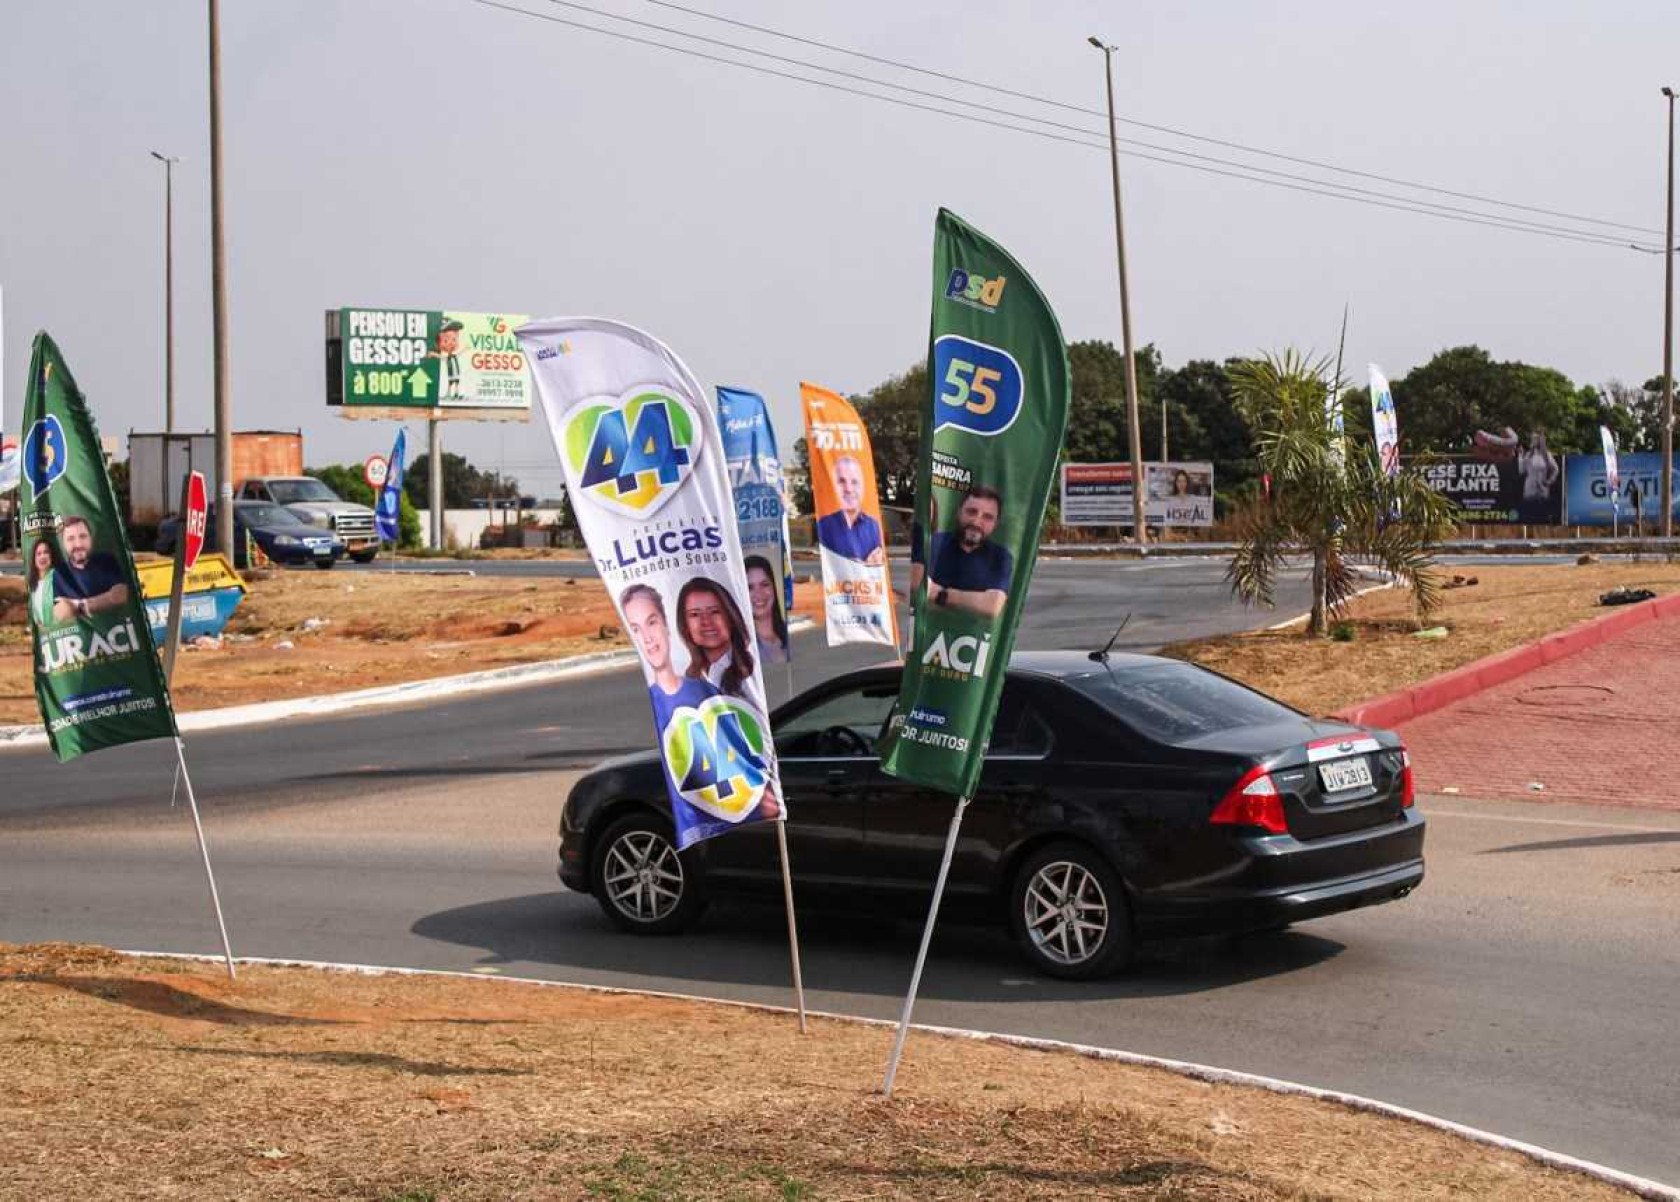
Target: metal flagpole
x=204, y=849
x=927, y=938
x=789, y=667
x=793, y=929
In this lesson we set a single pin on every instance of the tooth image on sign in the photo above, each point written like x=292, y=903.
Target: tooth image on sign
x=716, y=756
x=633, y=454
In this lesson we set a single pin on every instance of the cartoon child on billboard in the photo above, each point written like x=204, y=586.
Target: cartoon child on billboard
x=448, y=344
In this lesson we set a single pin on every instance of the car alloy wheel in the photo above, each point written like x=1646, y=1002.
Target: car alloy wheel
x=642, y=876
x=640, y=880
x=1070, y=913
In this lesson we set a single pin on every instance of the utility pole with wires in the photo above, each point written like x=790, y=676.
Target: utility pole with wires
x=1668, y=339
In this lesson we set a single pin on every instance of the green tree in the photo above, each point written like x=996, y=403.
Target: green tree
x=1097, y=426
x=348, y=483
x=799, y=476
x=1215, y=430
x=462, y=482
x=1329, y=500
x=1444, y=402
x=892, y=413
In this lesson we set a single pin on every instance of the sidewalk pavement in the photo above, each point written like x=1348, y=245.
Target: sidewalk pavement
x=1598, y=727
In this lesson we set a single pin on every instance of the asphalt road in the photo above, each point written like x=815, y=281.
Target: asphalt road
x=1526, y=988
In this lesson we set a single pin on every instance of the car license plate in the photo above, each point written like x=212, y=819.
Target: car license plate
x=1338, y=776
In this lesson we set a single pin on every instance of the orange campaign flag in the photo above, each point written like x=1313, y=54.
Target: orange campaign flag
x=857, y=587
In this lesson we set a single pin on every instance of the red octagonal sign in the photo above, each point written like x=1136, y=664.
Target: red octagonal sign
x=195, y=523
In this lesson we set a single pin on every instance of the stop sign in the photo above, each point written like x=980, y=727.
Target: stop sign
x=195, y=519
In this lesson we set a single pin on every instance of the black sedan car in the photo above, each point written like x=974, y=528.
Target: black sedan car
x=278, y=532
x=1123, y=797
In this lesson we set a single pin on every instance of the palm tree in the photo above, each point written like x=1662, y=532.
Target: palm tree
x=1328, y=499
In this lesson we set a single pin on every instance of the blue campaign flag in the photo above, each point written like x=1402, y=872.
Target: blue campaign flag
x=755, y=477
x=1590, y=500
x=390, y=496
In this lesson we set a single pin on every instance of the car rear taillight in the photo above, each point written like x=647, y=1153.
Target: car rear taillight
x=1408, y=786
x=1253, y=801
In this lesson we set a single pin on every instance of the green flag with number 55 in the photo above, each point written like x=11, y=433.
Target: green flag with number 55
x=992, y=430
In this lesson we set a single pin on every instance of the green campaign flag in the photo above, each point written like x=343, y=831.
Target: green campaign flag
x=97, y=676
x=991, y=434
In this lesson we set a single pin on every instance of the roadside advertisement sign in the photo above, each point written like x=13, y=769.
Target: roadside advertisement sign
x=851, y=541
x=644, y=466
x=388, y=502
x=97, y=677
x=1100, y=494
x=755, y=477
x=1612, y=476
x=1503, y=481
x=991, y=434
x=1593, y=501
x=426, y=359
x=1384, y=422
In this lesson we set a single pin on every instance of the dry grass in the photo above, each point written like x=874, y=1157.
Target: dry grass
x=156, y=1079
x=380, y=629
x=1507, y=607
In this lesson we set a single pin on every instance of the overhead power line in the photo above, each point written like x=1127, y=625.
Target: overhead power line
x=1225, y=168
x=1164, y=129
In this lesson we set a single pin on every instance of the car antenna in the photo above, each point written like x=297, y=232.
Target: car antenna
x=1101, y=657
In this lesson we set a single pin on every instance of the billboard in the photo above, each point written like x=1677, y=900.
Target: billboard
x=1504, y=480
x=1588, y=489
x=426, y=359
x=1100, y=494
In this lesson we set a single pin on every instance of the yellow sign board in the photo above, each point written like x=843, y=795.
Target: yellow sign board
x=211, y=572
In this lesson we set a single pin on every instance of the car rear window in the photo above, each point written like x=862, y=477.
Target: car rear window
x=1172, y=702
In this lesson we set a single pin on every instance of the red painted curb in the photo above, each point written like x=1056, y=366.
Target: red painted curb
x=1416, y=700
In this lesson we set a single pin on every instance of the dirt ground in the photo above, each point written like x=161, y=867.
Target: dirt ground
x=1506, y=607
x=378, y=629
x=161, y=1079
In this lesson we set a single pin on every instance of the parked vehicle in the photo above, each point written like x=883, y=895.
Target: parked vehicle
x=1123, y=797
x=278, y=532
x=320, y=506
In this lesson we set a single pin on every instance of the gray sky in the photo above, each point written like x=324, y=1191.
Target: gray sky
x=438, y=153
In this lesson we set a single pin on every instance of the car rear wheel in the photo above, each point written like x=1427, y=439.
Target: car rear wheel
x=640, y=881
x=1069, y=913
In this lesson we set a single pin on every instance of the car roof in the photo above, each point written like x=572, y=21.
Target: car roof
x=1061, y=665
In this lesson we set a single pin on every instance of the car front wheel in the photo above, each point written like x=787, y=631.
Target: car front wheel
x=639, y=880
x=1069, y=913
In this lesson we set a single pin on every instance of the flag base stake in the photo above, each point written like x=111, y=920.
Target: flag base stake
x=204, y=850
x=921, y=955
x=793, y=929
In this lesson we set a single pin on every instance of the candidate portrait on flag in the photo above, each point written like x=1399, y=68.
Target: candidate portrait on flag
x=848, y=531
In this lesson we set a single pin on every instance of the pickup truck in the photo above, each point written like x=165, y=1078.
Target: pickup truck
x=320, y=506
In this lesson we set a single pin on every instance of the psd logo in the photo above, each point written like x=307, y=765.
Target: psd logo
x=633, y=454
x=716, y=755
x=46, y=454
x=975, y=291
x=979, y=386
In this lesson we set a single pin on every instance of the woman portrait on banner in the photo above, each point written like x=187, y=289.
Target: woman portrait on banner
x=1539, y=470
x=40, y=582
x=769, y=623
x=716, y=637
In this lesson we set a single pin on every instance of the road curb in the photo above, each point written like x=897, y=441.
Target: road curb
x=1641, y=1186
x=1467, y=680
x=543, y=672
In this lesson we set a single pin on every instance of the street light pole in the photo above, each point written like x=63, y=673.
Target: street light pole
x=1668, y=340
x=168, y=162
x=218, y=294
x=1132, y=426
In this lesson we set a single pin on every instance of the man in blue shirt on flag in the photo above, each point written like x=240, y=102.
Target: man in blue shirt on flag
x=848, y=531
x=965, y=570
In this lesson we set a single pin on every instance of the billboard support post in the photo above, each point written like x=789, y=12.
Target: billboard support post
x=434, y=480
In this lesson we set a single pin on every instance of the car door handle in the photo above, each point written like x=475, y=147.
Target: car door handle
x=835, y=775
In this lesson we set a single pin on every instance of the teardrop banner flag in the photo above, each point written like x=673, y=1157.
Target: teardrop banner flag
x=97, y=677
x=857, y=584
x=755, y=477
x=1612, y=472
x=991, y=433
x=1385, y=422
x=644, y=464
x=387, y=517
